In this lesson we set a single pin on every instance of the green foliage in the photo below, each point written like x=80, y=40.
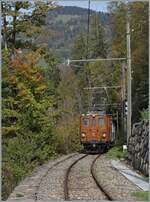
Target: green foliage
x=139, y=49
x=41, y=99
x=116, y=152
x=145, y=115
x=67, y=23
x=97, y=45
x=68, y=135
x=143, y=195
x=24, y=28
x=28, y=117
x=79, y=49
x=30, y=104
x=67, y=128
x=19, y=195
x=65, y=18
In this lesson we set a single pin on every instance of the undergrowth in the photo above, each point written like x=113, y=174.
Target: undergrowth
x=117, y=153
x=143, y=195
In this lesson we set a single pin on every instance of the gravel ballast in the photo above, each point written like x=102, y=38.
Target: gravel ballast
x=116, y=185
x=81, y=183
x=47, y=181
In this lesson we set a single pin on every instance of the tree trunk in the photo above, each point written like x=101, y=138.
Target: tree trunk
x=14, y=27
x=4, y=28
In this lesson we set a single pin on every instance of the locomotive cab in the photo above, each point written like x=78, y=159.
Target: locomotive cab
x=95, y=132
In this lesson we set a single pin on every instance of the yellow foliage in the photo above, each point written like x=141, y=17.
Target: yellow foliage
x=40, y=88
x=22, y=93
x=67, y=132
x=9, y=130
x=12, y=79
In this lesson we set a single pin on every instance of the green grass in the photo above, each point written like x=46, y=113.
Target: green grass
x=144, y=115
x=19, y=195
x=116, y=153
x=143, y=195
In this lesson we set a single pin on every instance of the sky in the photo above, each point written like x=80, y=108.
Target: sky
x=97, y=5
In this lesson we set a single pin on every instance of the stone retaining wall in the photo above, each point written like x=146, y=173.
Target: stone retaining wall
x=138, y=147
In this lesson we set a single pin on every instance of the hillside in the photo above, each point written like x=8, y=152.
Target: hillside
x=63, y=25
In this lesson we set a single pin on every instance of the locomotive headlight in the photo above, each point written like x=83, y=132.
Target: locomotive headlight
x=83, y=135
x=104, y=135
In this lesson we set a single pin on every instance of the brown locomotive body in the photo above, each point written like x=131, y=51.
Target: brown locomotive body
x=96, y=131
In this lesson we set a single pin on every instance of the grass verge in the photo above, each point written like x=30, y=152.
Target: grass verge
x=116, y=153
x=143, y=195
x=19, y=195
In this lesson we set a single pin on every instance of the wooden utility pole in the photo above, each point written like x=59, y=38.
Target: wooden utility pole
x=117, y=120
x=123, y=118
x=129, y=99
x=123, y=81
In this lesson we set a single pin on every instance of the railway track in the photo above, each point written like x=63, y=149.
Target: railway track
x=98, y=183
x=76, y=177
x=68, y=173
x=66, y=187
x=66, y=180
x=54, y=165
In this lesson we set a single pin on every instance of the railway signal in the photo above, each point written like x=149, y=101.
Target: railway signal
x=126, y=107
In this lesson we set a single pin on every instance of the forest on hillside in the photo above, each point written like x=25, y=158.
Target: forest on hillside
x=42, y=98
x=63, y=25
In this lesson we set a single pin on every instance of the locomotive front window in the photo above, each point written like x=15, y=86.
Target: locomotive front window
x=93, y=122
x=85, y=122
x=101, y=122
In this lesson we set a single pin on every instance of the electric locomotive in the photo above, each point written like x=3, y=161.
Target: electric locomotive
x=97, y=132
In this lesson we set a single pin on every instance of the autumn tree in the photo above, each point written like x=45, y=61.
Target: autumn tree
x=69, y=105
x=27, y=106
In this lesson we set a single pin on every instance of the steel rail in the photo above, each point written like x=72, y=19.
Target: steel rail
x=55, y=164
x=98, y=183
x=66, y=188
